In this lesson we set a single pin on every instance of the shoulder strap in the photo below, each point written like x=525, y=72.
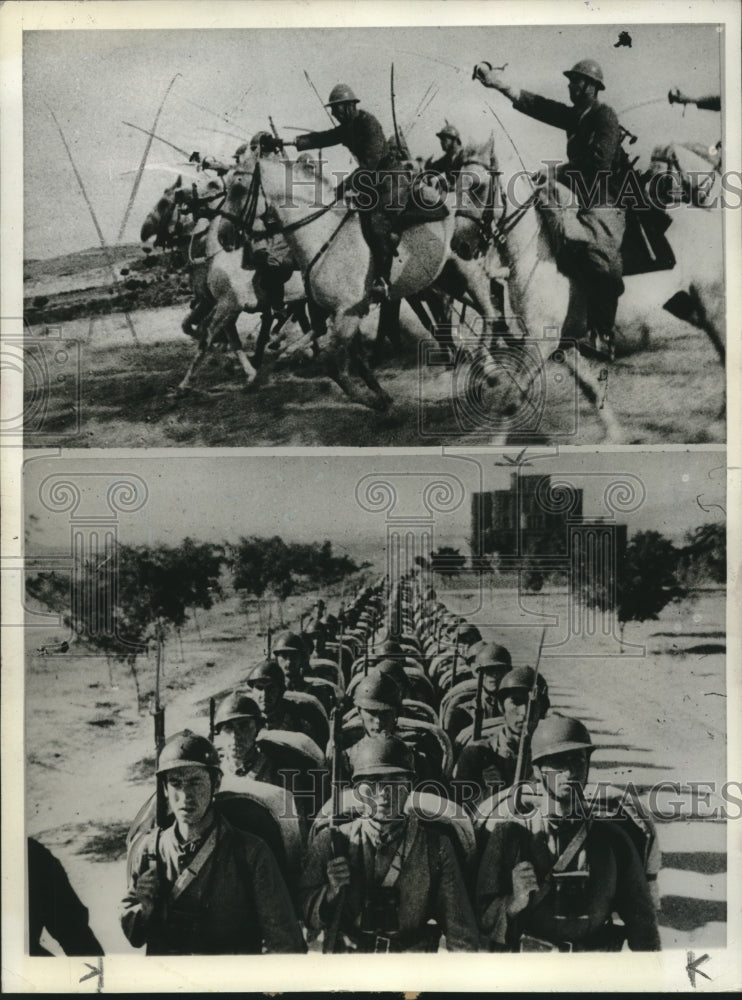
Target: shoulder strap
x=562, y=863
x=191, y=872
x=405, y=845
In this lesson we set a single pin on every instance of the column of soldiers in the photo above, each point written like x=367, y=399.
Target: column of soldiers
x=386, y=781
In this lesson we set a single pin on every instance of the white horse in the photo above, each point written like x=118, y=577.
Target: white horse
x=222, y=289
x=328, y=245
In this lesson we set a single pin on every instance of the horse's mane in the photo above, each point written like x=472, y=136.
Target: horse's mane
x=482, y=151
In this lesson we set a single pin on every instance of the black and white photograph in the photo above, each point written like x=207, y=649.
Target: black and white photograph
x=377, y=237
x=370, y=496
x=446, y=624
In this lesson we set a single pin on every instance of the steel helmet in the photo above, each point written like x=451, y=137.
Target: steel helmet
x=377, y=691
x=390, y=647
x=257, y=139
x=468, y=634
x=559, y=734
x=589, y=69
x=186, y=749
x=267, y=670
x=341, y=94
x=449, y=130
x=395, y=670
x=289, y=642
x=492, y=655
x=521, y=679
x=237, y=705
x=381, y=755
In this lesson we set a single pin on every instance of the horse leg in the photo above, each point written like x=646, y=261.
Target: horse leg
x=388, y=326
x=341, y=350
x=266, y=319
x=204, y=343
x=236, y=345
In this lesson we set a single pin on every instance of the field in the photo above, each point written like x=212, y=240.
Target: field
x=656, y=715
x=127, y=355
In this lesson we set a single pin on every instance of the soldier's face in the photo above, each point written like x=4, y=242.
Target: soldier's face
x=344, y=112
x=265, y=694
x=580, y=89
x=189, y=794
x=235, y=741
x=378, y=720
x=383, y=798
x=492, y=677
x=560, y=773
x=514, y=711
x=290, y=662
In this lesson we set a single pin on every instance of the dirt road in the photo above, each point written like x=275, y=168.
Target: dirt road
x=656, y=715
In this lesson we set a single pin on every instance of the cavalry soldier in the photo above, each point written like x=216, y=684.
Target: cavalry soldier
x=550, y=878
x=382, y=182
x=300, y=714
x=201, y=886
x=588, y=241
x=387, y=871
x=490, y=765
x=449, y=165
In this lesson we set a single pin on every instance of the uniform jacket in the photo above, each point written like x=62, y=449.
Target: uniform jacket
x=53, y=904
x=449, y=165
x=363, y=136
x=237, y=904
x=430, y=884
x=490, y=765
x=593, y=140
x=616, y=883
x=290, y=715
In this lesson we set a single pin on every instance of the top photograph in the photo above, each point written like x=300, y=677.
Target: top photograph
x=375, y=237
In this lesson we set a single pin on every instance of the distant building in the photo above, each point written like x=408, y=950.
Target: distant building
x=530, y=518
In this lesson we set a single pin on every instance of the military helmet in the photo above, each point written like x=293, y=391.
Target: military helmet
x=289, y=642
x=186, y=749
x=381, y=755
x=492, y=655
x=377, y=691
x=589, y=69
x=241, y=150
x=395, y=670
x=237, y=705
x=521, y=679
x=267, y=670
x=449, y=130
x=341, y=94
x=257, y=140
x=467, y=634
x=390, y=647
x=559, y=734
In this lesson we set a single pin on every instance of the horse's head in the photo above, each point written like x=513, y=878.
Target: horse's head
x=244, y=202
x=477, y=190
x=163, y=220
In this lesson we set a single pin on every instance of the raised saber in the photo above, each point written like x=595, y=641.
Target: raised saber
x=138, y=177
x=309, y=81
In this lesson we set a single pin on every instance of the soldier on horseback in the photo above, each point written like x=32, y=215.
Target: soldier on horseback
x=449, y=165
x=381, y=180
x=588, y=241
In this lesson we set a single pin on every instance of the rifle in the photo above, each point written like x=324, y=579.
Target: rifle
x=365, y=657
x=479, y=707
x=520, y=765
x=455, y=661
x=212, y=716
x=336, y=720
x=159, y=722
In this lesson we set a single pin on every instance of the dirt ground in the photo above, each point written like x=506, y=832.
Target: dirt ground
x=117, y=391
x=657, y=712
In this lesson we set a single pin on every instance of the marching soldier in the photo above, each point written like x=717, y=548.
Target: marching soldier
x=449, y=165
x=551, y=878
x=54, y=907
x=593, y=172
x=387, y=871
x=267, y=684
x=490, y=765
x=236, y=725
x=493, y=662
x=292, y=655
x=201, y=886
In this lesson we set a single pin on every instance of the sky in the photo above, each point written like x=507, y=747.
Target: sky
x=231, y=80
x=313, y=498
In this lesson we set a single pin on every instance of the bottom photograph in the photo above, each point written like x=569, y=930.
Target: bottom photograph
x=402, y=703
